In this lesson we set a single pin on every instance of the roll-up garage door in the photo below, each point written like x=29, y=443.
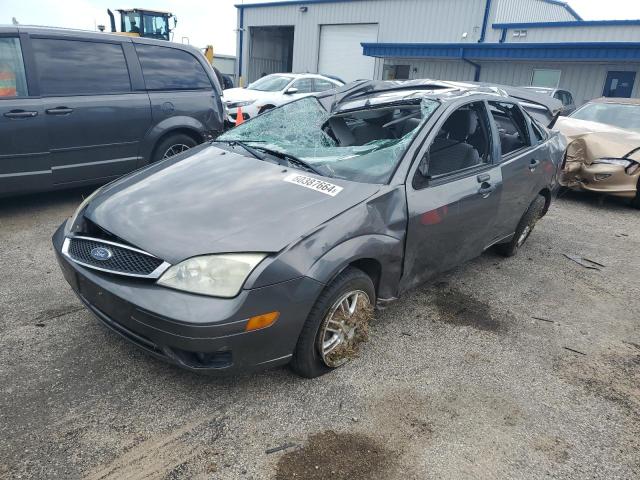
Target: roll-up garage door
x=341, y=52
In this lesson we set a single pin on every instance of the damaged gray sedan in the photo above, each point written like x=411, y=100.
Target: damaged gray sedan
x=273, y=244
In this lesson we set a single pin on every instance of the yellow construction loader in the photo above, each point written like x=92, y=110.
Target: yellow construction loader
x=138, y=22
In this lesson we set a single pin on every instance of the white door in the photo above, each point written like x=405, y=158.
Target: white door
x=341, y=53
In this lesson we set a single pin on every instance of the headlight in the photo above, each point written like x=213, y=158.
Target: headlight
x=216, y=275
x=240, y=104
x=613, y=161
x=74, y=218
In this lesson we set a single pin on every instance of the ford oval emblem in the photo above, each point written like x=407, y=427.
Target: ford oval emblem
x=101, y=254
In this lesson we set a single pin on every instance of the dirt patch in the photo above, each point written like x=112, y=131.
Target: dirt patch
x=339, y=456
x=615, y=377
x=555, y=448
x=458, y=308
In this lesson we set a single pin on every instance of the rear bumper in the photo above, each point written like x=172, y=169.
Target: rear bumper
x=199, y=333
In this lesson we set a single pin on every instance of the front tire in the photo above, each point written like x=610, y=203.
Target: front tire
x=173, y=145
x=525, y=227
x=635, y=203
x=336, y=326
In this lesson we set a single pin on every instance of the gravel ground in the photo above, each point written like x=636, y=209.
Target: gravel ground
x=458, y=380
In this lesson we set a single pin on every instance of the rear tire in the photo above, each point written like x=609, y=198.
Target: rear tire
x=173, y=145
x=313, y=355
x=525, y=227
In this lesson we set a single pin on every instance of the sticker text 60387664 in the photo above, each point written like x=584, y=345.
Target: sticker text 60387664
x=314, y=184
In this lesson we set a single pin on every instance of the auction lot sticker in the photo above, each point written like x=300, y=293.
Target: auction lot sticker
x=314, y=184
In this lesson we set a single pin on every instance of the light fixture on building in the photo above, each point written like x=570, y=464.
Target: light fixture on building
x=465, y=35
x=303, y=9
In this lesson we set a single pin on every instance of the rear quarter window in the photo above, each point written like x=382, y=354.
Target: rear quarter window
x=166, y=68
x=75, y=67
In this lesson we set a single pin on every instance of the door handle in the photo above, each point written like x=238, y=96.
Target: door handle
x=534, y=164
x=20, y=114
x=483, y=177
x=59, y=111
x=486, y=189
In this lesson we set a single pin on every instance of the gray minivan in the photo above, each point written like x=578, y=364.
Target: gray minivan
x=79, y=108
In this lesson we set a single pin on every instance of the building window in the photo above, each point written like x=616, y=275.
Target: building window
x=396, y=72
x=545, y=78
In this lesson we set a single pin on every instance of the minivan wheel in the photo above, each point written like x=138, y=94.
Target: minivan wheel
x=173, y=145
x=524, y=229
x=337, y=325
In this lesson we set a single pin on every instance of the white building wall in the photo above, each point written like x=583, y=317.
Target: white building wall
x=435, y=21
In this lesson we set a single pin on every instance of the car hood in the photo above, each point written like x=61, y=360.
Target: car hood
x=215, y=201
x=589, y=141
x=242, y=94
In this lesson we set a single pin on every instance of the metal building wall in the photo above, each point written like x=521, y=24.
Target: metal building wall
x=399, y=20
x=584, y=80
x=578, y=34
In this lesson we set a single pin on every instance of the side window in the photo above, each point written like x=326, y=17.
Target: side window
x=512, y=126
x=167, y=68
x=13, y=82
x=71, y=67
x=322, y=85
x=463, y=142
x=304, y=85
x=538, y=132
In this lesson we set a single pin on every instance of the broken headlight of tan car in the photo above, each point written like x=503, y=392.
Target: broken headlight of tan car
x=630, y=167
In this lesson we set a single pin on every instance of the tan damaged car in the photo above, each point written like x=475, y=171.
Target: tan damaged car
x=603, y=153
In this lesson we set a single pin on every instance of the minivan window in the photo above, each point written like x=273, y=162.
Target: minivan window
x=13, y=81
x=73, y=67
x=167, y=68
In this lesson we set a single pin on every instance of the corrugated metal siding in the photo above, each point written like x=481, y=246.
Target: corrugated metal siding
x=578, y=34
x=399, y=20
x=584, y=80
x=436, y=69
x=510, y=11
x=517, y=11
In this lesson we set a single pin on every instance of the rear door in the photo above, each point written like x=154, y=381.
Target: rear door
x=453, y=197
x=94, y=117
x=24, y=159
x=181, y=92
x=522, y=162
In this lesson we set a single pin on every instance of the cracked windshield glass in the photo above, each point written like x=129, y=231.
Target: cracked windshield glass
x=362, y=145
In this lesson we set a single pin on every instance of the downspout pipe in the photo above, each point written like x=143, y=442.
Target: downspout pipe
x=240, y=45
x=485, y=21
x=478, y=67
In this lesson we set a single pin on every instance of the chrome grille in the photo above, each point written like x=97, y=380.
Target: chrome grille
x=120, y=259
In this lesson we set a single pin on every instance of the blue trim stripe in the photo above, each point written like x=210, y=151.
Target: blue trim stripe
x=611, y=51
x=587, y=23
x=285, y=3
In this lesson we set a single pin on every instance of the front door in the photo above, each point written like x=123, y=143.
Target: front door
x=24, y=159
x=453, y=197
x=619, y=84
x=94, y=118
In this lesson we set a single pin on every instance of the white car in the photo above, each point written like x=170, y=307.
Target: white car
x=272, y=91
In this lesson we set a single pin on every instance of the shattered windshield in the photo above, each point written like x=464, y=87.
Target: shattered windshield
x=618, y=115
x=362, y=145
x=270, y=83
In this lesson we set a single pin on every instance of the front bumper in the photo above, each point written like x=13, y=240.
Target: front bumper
x=196, y=332
x=600, y=178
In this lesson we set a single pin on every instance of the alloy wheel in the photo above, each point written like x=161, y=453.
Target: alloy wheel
x=344, y=328
x=174, y=150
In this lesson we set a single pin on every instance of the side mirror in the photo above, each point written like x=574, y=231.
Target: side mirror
x=291, y=91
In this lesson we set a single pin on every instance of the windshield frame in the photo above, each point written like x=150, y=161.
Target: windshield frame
x=609, y=105
x=291, y=79
x=401, y=155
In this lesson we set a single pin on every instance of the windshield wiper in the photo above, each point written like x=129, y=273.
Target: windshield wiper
x=249, y=149
x=293, y=159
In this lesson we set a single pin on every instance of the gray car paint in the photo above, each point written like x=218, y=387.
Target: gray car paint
x=102, y=136
x=212, y=200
